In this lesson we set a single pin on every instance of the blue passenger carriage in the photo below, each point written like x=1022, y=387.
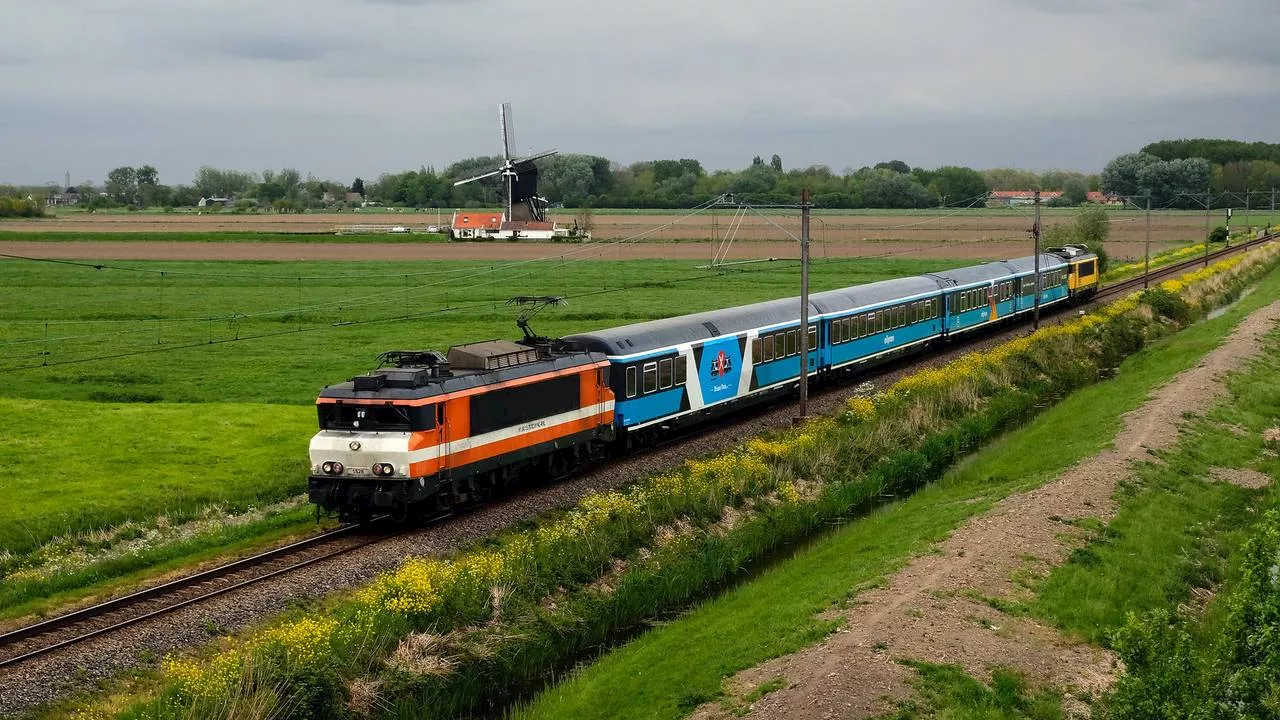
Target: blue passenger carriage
x=684, y=370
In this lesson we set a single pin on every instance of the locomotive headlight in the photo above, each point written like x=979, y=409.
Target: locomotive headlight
x=384, y=469
x=328, y=468
x=337, y=468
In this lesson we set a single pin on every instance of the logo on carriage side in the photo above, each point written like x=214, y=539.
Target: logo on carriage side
x=722, y=365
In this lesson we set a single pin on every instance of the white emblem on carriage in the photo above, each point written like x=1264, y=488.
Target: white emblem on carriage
x=354, y=444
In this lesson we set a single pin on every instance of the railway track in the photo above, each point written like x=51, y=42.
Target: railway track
x=62, y=631
x=57, y=633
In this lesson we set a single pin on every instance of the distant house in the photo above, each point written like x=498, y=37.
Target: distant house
x=482, y=225
x=70, y=196
x=527, y=230
x=1013, y=198
x=1102, y=198
x=211, y=201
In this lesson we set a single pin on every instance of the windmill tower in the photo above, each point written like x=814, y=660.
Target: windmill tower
x=519, y=175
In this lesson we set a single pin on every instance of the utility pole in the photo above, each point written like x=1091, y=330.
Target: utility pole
x=805, y=205
x=1247, y=194
x=1208, y=201
x=1146, y=266
x=1036, y=232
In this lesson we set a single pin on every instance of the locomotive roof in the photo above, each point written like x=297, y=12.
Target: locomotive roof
x=460, y=379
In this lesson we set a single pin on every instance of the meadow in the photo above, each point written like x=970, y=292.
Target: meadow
x=141, y=394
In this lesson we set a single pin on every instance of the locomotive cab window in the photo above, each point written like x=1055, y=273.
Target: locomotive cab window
x=650, y=377
x=389, y=418
x=680, y=370
x=631, y=381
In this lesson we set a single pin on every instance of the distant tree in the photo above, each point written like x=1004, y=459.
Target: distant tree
x=776, y=162
x=212, y=182
x=895, y=165
x=122, y=185
x=958, y=185
x=358, y=186
x=757, y=160
x=1123, y=174
x=885, y=188
x=150, y=191
x=1075, y=190
x=1011, y=179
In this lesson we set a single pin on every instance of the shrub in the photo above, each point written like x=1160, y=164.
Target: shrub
x=1168, y=304
x=1218, y=234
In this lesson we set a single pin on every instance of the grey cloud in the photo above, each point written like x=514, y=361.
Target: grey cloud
x=357, y=87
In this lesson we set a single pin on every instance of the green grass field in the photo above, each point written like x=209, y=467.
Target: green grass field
x=151, y=407
x=667, y=671
x=303, y=325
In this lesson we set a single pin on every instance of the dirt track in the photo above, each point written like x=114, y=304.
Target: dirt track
x=400, y=252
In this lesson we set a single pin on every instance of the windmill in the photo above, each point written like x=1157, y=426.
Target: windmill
x=519, y=175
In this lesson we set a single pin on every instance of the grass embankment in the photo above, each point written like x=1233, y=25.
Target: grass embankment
x=444, y=637
x=107, y=460
x=1179, y=529
x=94, y=490
x=666, y=671
x=218, y=236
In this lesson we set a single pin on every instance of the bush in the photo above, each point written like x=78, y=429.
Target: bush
x=1168, y=304
x=20, y=207
x=1218, y=234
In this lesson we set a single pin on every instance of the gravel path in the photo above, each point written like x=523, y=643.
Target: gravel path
x=927, y=612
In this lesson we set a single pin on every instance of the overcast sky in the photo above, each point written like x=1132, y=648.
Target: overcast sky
x=342, y=88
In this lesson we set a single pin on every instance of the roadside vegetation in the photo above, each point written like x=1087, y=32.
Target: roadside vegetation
x=469, y=633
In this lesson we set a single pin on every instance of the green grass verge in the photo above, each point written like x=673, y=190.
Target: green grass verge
x=216, y=236
x=23, y=597
x=1174, y=530
x=947, y=691
x=665, y=672
x=76, y=466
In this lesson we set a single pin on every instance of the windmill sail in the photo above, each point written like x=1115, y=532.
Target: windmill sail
x=519, y=175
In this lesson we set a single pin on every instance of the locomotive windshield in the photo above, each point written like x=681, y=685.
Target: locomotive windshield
x=376, y=417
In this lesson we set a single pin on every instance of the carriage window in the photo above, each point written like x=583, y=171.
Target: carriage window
x=650, y=377
x=813, y=337
x=664, y=374
x=681, y=370
x=755, y=350
x=902, y=316
x=631, y=381
x=791, y=343
x=768, y=348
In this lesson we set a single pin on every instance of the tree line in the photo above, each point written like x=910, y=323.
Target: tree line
x=1192, y=172
x=577, y=180
x=1174, y=173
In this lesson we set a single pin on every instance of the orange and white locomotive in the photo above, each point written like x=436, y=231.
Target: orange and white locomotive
x=433, y=431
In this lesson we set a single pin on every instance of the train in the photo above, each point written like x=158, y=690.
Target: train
x=431, y=430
